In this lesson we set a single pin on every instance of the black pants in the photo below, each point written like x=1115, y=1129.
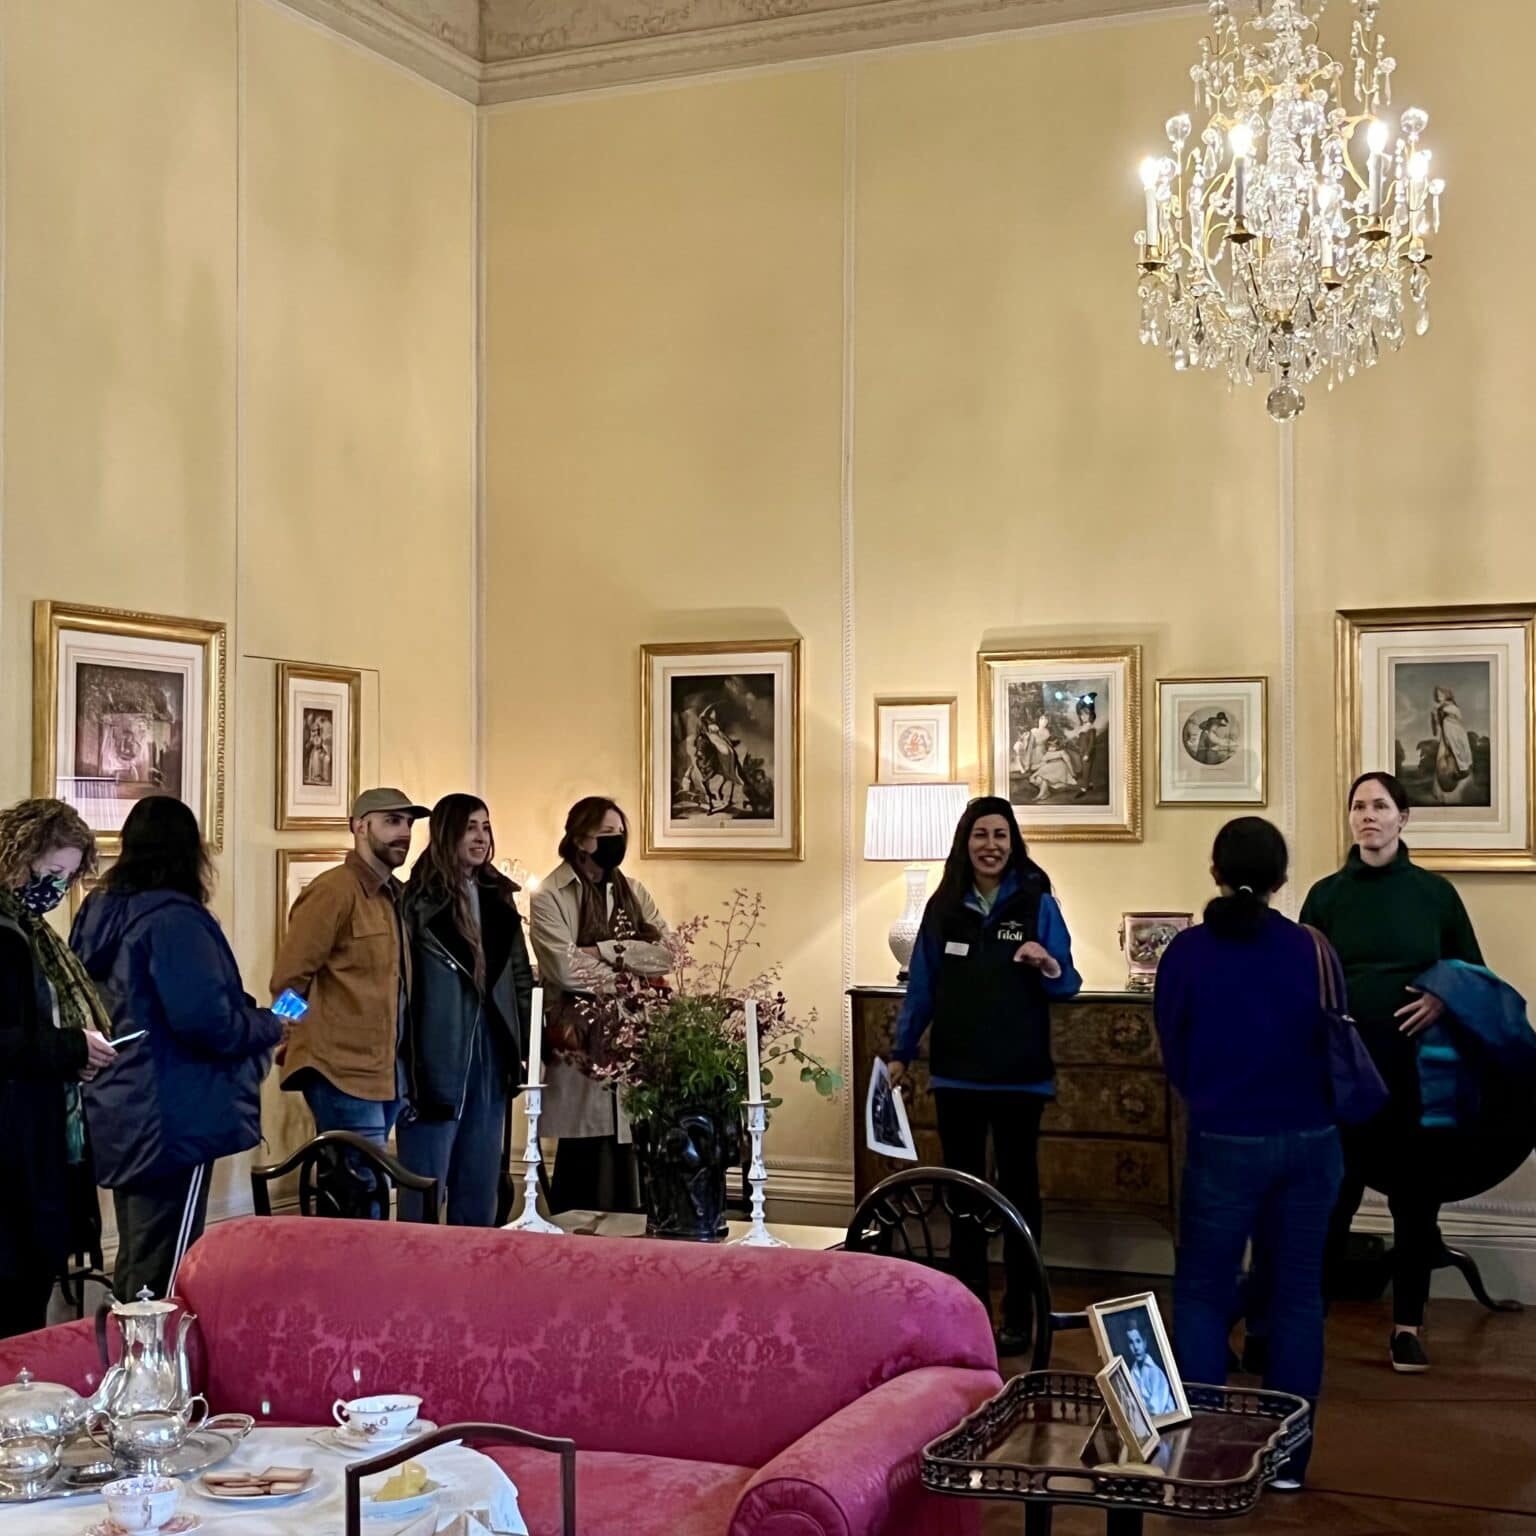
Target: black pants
x=965, y=1115
x=1411, y=1153
x=594, y=1173
x=24, y=1300
x=154, y=1219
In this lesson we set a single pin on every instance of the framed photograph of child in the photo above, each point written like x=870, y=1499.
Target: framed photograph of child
x=1132, y=1420
x=1212, y=746
x=1131, y=1328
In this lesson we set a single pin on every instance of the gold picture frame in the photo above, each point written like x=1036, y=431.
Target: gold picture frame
x=944, y=710
x=1454, y=685
x=290, y=859
x=1076, y=792
x=753, y=689
x=1252, y=789
x=174, y=740
x=310, y=695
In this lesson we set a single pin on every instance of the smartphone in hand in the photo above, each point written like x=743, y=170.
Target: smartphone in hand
x=290, y=1005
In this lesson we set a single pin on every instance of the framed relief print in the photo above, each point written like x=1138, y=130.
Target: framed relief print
x=1061, y=738
x=124, y=706
x=915, y=741
x=721, y=750
x=296, y=867
x=318, y=737
x=1442, y=698
x=1212, y=741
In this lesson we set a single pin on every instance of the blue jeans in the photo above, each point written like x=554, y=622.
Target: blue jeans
x=1287, y=1185
x=372, y=1119
x=463, y=1155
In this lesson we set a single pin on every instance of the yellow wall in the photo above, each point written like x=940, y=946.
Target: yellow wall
x=239, y=340
x=665, y=276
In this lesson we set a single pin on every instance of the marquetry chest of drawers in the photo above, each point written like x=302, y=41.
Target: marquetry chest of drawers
x=1113, y=1140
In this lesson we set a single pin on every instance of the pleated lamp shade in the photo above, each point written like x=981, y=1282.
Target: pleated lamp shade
x=912, y=823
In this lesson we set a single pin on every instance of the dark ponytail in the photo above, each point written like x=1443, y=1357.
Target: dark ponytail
x=1250, y=859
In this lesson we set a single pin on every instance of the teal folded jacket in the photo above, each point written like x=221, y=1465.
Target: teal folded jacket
x=1485, y=1029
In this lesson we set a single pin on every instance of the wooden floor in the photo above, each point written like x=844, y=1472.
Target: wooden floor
x=1448, y=1453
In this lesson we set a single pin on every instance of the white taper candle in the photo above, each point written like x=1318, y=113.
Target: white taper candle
x=536, y=1038
x=754, y=1056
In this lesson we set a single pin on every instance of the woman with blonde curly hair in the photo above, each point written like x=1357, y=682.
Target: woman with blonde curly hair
x=53, y=1036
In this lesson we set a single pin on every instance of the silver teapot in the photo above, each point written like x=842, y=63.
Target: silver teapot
x=154, y=1373
x=40, y=1410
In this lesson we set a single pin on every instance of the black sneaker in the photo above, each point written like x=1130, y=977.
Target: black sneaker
x=1408, y=1353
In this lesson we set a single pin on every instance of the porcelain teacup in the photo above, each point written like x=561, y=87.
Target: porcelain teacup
x=376, y=1420
x=142, y=1503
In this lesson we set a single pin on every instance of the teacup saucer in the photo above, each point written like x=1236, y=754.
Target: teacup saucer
x=175, y=1526
x=335, y=1438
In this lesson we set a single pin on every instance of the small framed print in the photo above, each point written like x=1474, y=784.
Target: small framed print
x=318, y=736
x=1131, y=1328
x=915, y=741
x=296, y=867
x=1133, y=1423
x=1442, y=697
x=1212, y=741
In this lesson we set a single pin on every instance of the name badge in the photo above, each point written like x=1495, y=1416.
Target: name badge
x=954, y=948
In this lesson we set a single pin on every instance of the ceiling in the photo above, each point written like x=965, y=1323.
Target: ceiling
x=503, y=50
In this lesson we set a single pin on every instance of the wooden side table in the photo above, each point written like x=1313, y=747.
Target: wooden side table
x=1113, y=1139
x=1045, y=1441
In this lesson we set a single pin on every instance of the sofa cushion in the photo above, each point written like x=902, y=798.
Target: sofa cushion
x=652, y=1348
x=621, y=1495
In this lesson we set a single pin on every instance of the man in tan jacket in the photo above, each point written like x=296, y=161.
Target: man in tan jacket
x=344, y=952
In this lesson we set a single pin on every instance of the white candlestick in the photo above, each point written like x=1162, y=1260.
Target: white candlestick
x=1327, y=246
x=1240, y=188
x=754, y=1061
x=1375, y=184
x=1153, y=242
x=536, y=1037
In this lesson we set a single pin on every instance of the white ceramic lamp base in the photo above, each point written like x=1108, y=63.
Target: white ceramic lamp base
x=904, y=931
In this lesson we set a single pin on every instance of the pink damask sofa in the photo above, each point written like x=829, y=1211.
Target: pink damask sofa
x=710, y=1391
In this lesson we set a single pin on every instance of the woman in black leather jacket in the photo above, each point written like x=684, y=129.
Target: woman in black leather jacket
x=467, y=1028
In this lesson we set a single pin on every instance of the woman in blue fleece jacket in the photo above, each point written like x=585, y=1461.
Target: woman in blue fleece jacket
x=992, y=952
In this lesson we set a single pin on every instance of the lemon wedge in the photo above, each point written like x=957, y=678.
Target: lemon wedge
x=409, y=1481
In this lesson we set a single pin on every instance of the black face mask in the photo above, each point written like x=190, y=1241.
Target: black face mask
x=610, y=851
x=42, y=893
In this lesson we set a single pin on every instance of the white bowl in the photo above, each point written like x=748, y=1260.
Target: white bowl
x=397, y=1509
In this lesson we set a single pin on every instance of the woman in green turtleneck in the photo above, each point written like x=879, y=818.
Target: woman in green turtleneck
x=1390, y=921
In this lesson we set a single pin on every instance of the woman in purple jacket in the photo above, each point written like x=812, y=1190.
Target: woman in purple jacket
x=1244, y=1037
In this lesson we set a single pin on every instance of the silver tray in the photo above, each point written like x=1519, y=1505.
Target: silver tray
x=78, y=1476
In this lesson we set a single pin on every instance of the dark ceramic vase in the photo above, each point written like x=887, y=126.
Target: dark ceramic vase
x=684, y=1161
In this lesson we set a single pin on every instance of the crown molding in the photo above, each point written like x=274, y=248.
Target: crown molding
x=568, y=65
x=423, y=46
x=515, y=50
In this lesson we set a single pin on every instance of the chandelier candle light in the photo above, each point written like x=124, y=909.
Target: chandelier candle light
x=757, y=1123
x=1287, y=241
x=529, y=1219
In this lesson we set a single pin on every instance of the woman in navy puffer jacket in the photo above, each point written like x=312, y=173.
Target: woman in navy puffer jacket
x=189, y=1092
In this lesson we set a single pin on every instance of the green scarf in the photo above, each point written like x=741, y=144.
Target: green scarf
x=77, y=1004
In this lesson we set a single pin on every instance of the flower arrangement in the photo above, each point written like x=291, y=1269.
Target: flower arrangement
x=679, y=1040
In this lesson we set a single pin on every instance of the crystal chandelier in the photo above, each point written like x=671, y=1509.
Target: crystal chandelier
x=1288, y=240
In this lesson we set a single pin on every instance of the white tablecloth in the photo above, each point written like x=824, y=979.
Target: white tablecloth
x=470, y=1481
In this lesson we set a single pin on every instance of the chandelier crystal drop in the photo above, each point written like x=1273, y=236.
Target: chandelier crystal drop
x=1287, y=240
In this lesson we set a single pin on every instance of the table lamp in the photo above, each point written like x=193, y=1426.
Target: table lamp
x=912, y=824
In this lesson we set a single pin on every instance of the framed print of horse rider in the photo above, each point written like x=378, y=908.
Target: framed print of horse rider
x=1442, y=697
x=721, y=755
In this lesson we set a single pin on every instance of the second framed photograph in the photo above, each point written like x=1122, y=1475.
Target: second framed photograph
x=1132, y=1420
x=1061, y=738
x=721, y=750
x=1132, y=1328
x=296, y=867
x=319, y=731
x=1212, y=740
x=915, y=741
